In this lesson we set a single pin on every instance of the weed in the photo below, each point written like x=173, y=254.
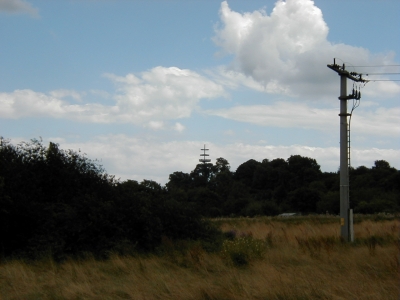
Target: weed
x=269, y=240
x=259, y=260
x=230, y=235
x=314, y=245
x=241, y=251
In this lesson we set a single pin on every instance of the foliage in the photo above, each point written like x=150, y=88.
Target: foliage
x=50, y=199
x=368, y=269
x=242, y=250
x=274, y=186
x=60, y=203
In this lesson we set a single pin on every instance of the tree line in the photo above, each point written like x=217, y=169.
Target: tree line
x=271, y=187
x=61, y=203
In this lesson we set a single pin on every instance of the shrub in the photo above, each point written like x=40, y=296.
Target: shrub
x=59, y=203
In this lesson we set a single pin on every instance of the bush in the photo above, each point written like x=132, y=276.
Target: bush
x=60, y=203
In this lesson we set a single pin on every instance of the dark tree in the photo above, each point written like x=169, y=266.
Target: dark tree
x=381, y=164
x=246, y=171
x=179, y=180
x=60, y=203
x=304, y=169
x=202, y=174
x=304, y=200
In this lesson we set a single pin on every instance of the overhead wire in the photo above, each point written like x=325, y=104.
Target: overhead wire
x=372, y=66
x=381, y=74
x=377, y=66
x=383, y=79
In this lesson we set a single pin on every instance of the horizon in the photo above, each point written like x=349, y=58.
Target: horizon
x=143, y=85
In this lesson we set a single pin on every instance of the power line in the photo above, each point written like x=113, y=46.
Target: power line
x=381, y=74
x=382, y=79
x=376, y=66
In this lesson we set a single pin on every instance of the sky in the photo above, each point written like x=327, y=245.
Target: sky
x=142, y=86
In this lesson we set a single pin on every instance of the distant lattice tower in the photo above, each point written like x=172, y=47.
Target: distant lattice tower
x=204, y=159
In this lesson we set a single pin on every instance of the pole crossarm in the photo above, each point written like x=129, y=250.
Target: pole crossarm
x=342, y=72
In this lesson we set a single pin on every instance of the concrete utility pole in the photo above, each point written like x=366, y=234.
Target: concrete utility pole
x=346, y=214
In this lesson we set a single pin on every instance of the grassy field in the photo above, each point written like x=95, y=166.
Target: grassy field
x=262, y=258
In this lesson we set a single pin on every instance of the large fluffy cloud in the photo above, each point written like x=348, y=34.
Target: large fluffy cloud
x=156, y=96
x=162, y=93
x=287, y=51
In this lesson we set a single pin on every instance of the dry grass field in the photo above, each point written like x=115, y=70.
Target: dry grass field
x=265, y=258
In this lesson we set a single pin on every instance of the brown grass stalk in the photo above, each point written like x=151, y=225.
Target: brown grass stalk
x=302, y=260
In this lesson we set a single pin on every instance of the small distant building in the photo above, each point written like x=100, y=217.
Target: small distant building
x=285, y=215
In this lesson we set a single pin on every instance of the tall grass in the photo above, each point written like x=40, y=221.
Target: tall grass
x=265, y=258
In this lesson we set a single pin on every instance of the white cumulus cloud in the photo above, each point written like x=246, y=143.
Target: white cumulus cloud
x=162, y=93
x=158, y=95
x=287, y=51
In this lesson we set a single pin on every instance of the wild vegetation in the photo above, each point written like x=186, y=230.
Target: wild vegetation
x=261, y=258
x=68, y=230
x=61, y=204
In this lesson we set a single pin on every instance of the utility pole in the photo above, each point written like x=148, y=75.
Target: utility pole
x=346, y=213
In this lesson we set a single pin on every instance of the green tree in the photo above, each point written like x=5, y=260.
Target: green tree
x=202, y=174
x=304, y=169
x=278, y=163
x=381, y=164
x=206, y=201
x=179, y=180
x=304, y=200
x=330, y=202
x=221, y=165
x=60, y=203
x=262, y=177
x=222, y=184
x=245, y=171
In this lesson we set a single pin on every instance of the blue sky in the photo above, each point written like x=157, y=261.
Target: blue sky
x=143, y=85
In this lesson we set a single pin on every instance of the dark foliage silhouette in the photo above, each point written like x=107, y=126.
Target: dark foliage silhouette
x=60, y=203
